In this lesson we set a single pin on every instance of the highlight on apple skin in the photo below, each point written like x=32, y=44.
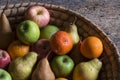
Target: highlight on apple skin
x=38, y=14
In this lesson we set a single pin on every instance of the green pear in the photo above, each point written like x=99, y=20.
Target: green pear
x=72, y=30
x=87, y=70
x=21, y=68
x=74, y=33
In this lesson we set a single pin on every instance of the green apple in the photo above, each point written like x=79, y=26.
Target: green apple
x=4, y=75
x=28, y=32
x=62, y=65
x=48, y=31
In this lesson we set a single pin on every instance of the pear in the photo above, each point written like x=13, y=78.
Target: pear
x=22, y=67
x=72, y=30
x=87, y=70
x=4, y=24
x=43, y=71
x=6, y=34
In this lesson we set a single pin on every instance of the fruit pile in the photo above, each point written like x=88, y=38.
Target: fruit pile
x=40, y=51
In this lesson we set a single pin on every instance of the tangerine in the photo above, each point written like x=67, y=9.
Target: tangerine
x=91, y=47
x=61, y=79
x=61, y=42
x=17, y=49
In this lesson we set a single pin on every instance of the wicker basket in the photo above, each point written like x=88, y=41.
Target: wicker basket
x=61, y=17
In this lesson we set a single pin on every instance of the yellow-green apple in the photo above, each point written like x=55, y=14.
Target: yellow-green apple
x=4, y=59
x=4, y=75
x=28, y=32
x=38, y=14
x=48, y=31
x=62, y=65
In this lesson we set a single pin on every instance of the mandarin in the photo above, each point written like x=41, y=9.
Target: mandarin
x=61, y=42
x=61, y=79
x=18, y=49
x=91, y=47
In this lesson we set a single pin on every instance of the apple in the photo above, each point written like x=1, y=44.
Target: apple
x=42, y=47
x=4, y=58
x=62, y=65
x=4, y=75
x=28, y=32
x=48, y=31
x=38, y=14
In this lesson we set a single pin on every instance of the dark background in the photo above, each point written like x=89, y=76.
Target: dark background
x=104, y=13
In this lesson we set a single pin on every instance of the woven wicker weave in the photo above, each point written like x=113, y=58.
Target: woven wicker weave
x=61, y=17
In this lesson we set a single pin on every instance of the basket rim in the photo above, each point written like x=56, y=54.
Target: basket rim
x=12, y=5
x=69, y=10
x=66, y=9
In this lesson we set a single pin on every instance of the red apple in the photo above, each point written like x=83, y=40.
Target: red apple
x=4, y=59
x=38, y=14
x=42, y=47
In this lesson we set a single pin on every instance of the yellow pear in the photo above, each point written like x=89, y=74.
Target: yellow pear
x=87, y=70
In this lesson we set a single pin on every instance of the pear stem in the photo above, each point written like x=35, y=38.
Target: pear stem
x=48, y=54
x=105, y=57
x=75, y=19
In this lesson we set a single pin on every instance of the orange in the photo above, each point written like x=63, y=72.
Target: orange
x=61, y=79
x=91, y=47
x=61, y=42
x=17, y=49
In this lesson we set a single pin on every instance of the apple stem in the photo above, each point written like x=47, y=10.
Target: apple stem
x=65, y=60
x=1, y=75
x=2, y=54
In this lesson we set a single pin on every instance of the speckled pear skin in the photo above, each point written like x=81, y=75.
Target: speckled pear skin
x=87, y=70
x=22, y=67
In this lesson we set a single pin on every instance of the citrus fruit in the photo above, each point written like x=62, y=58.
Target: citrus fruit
x=17, y=49
x=61, y=42
x=91, y=47
x=61, y=79
x=48, y=31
